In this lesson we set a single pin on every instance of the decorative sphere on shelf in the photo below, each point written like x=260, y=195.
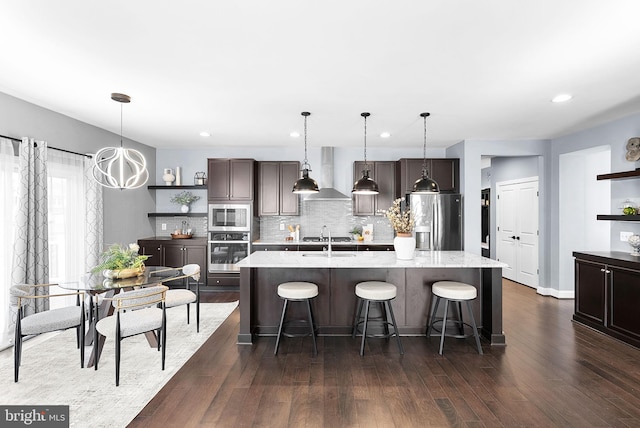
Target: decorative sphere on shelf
x=634, y=241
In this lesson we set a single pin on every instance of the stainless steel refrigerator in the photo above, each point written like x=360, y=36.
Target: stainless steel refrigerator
x=437, y=221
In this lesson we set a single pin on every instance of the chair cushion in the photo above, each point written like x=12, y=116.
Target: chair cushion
x=55, y=319
x=178, y=297
x=297, y=290
x=131, y=322
x=375, y=290
x=454, y=290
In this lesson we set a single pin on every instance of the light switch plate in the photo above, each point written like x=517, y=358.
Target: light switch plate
x=282, y=226
x=624, y=236
x=164, y=226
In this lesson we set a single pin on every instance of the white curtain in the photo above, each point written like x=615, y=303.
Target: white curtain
x=93, y=229
x=30, y=249
x=8, y=204
x=66, y=217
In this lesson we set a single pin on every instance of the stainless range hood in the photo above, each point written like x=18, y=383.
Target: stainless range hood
x=327, y=192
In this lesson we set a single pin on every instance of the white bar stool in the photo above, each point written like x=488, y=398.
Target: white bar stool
x=452, y=291
x=377, y=292
x=297, y=292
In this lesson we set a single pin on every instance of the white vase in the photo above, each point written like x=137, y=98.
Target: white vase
x=404, y=246
x=184, y=208
x=168, y=176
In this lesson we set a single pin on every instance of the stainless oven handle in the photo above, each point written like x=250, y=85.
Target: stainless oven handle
x=228, y=242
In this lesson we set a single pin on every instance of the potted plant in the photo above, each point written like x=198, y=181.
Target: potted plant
x=404, y=242
x=121, y=262
x=184, y=198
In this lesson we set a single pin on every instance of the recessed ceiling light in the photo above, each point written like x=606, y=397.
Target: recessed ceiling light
x=385, y=135
x=294, y=134
x=561, y=98
x=205, y=134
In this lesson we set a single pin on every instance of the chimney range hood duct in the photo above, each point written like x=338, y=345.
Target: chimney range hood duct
x=327, y=192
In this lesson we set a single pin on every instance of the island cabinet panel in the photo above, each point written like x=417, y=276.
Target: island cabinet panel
x=608, y=294
x=335, y=306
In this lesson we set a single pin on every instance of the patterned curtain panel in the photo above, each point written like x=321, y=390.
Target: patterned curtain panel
x=93, y=224
x=31, y=254
x=8, y=185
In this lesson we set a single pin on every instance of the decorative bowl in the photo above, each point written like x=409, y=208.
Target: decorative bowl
x=122, y=273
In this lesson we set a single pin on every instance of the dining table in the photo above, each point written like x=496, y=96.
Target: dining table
x=97, y=287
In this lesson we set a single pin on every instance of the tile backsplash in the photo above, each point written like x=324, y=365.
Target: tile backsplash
x=336, y=215
x=197, y=224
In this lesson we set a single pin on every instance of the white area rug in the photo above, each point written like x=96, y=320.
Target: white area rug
x=50, y=372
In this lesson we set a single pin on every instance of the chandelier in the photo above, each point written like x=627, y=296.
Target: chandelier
x=117, y=167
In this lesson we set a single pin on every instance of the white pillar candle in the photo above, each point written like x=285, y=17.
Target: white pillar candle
x=178, y=176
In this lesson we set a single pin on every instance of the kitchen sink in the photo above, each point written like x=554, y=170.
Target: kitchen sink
x=324, y=254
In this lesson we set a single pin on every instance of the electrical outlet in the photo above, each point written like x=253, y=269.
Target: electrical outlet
x=624, y=236
x=282, y=226
x=164, y=226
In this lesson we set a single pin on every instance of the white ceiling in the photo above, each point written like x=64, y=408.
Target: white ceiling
x=244, y=70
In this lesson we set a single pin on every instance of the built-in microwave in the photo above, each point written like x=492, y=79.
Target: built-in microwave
x=230, y=217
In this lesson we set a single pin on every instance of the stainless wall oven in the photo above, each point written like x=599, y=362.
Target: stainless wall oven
x=226, y=249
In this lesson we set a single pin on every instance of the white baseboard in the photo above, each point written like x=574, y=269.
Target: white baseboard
x=565, y=294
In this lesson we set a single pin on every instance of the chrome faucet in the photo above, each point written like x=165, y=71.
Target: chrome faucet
x=329, y=237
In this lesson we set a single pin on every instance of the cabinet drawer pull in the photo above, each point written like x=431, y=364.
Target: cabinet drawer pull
x=607, y=271
x=602, y=270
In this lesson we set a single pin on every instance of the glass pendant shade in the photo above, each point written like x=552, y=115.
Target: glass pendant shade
x=305, y=185
x=365, y=185
x=117, y=167
x=425, y=184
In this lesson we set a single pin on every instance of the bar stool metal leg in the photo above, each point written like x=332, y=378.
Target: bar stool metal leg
x=356, y=319
x=312, y=327
x=395, y=327
x=475, y=329
x=434, y=309
x=364, y=328
x=444, y=324
x=284, y=310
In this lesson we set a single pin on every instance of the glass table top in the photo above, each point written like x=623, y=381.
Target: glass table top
x=98, y=283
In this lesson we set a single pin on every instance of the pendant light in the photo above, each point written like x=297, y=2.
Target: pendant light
x=365, y=185
x=117, y=167
x=425, y=184
x=306, y=184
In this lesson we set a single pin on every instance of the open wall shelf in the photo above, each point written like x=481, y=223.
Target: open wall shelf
x=177, y=214
x=188, y=186
x=619, y=217
x=617, y=175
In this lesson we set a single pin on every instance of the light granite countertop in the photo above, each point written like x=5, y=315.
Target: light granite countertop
x=366, y=259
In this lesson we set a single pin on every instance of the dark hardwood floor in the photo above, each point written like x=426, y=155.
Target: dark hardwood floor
x=551, y=373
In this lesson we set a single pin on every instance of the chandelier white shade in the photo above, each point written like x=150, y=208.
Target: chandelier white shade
x=119, y=167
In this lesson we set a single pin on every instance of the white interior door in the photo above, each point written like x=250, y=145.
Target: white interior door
x=517, y=223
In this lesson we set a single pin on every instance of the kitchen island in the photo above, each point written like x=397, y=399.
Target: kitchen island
x=336, y=277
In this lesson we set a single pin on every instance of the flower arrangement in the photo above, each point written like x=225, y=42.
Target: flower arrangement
x=117, y=257
x=400, y=219
x=184, y=198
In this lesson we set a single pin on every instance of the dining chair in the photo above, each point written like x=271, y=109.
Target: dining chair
x=184, y=296
x=46, y=321
x=135, y=312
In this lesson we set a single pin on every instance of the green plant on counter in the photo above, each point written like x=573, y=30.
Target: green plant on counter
x=117, y=257
x=357, y=230
x=184, y=198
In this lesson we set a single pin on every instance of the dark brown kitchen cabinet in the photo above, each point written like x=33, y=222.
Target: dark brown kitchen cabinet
x=231, y=179
x=384, y=174
x=445, y=171
x=175, y=252
x=275, y=182
x=607, y=287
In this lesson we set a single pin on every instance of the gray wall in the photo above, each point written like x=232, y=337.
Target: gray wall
x=125, y=218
